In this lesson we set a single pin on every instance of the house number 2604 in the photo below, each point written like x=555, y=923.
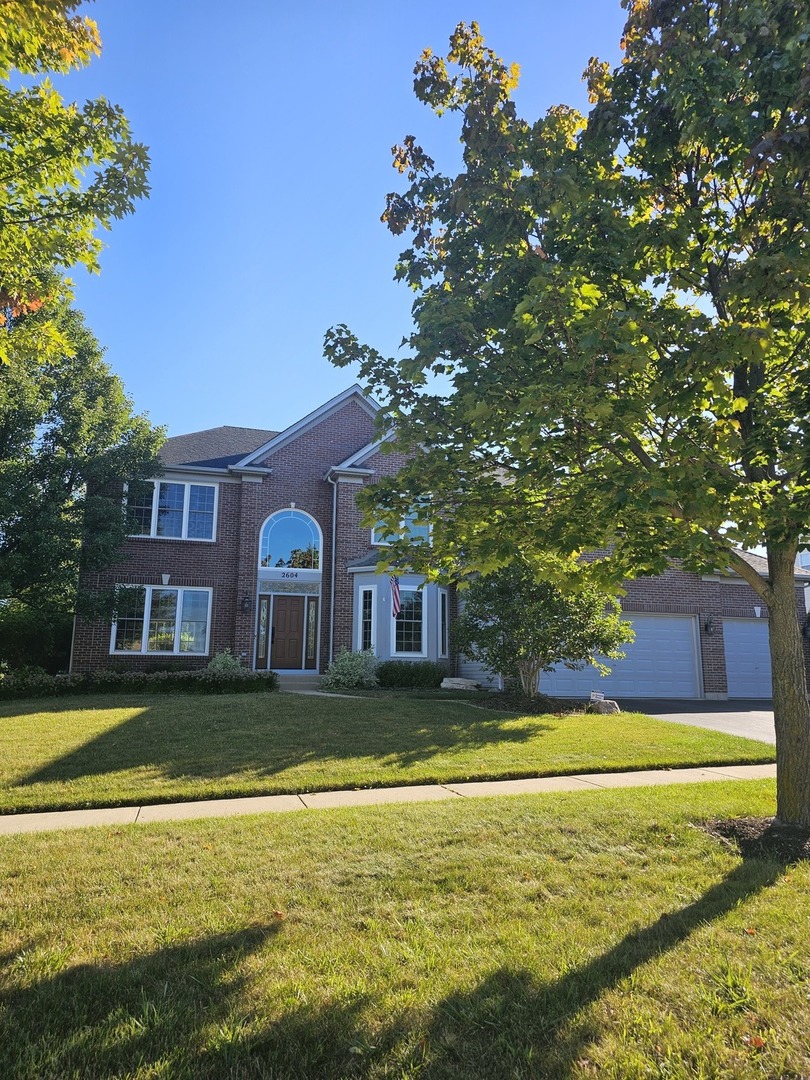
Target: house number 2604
x=288, y=574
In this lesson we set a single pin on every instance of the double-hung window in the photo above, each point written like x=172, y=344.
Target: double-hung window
x=409, y=625
x=154, y=619
x=367, y=625
x=174, y=509
x=444, y=624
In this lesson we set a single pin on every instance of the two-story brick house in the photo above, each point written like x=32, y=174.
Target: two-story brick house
x=251, y=540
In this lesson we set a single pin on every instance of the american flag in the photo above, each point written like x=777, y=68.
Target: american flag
x=396, y=599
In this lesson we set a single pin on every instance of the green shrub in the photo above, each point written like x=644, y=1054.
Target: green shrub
x=410, y=674
x=13, y=687
x=351, y=671
x=30, y=638
x=225, y=663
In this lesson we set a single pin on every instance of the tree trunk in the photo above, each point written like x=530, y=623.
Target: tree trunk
x=790, y=706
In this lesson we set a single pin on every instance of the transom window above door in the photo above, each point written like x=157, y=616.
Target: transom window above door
x=290, y=540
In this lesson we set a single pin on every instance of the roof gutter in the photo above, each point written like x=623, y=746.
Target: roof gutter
x=333, y=481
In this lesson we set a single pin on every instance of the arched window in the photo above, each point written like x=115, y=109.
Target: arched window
x=290, y=540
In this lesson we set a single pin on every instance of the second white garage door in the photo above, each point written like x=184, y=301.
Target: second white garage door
x=661, y=662
x=748, y=658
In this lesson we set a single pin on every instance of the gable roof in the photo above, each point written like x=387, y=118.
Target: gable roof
x=281, y=438
x=214, y=448
x=227, y=447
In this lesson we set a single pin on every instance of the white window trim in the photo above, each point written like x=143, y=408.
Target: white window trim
x=410, y=655
x=443, y=647
x=187, y=484
x=147, y=611
x=373, y=590
x=307, y=572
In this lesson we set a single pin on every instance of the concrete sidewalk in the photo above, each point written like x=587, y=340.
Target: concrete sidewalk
x=322, y=800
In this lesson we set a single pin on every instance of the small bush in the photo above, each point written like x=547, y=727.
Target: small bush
x=14, y=687
x=351, y=671
x=225, y=663
x=411, y=675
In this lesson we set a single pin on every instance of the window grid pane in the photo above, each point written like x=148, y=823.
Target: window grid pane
x=170, y=510
x=194, y=622
x=139, y=508
x=201, y=512
x=290, y=540
x=129, y=624
x=162, y=620
x=409, y=623
x=366, y=614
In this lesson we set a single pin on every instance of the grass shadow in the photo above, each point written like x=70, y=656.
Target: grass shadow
x=206, y=738
x=513, y=1026
x=106, y=1019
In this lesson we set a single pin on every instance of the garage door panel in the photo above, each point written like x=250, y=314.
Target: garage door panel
x=661, y=662
x=748, y=658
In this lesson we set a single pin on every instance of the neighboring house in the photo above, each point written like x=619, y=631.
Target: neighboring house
x=697, y=636
x=251, y=540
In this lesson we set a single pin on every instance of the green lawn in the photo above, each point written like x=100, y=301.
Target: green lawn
x=161, y=749
x=586, y=935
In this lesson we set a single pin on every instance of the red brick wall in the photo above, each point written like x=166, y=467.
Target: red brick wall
x=229, y=564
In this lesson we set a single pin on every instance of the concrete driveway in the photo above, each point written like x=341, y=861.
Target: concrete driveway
x=752, y=719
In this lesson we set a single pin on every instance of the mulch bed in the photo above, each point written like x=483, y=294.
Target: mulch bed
x=541, y=705
x=763, y=838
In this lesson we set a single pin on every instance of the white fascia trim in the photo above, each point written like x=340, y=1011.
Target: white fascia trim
x=205, y=470
x=348, y=476
x=309, y=421
x=365, y=452
x=252, y=470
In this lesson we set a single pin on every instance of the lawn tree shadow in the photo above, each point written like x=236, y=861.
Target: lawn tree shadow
x=180, y=1012
x=228, y=739
x=512, y=1026
x=98, y=1020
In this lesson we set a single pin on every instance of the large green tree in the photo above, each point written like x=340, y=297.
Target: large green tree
x=68, y=438
x=621, y=304
x=66, y=169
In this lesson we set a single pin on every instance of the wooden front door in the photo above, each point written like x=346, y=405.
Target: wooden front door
x=287, y=633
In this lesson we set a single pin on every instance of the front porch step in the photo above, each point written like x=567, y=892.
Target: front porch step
x=299, y=682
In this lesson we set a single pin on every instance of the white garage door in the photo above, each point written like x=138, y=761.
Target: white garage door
x=748, y=658
x=661, y=662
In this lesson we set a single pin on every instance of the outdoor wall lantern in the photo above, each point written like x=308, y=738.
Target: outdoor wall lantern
x=246, y=603
x=710, y=626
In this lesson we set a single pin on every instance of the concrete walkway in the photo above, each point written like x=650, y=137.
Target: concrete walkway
x=322, y=800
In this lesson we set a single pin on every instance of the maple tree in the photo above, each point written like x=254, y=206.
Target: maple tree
x=68, y=436
x=66, y=169
x=620, y=304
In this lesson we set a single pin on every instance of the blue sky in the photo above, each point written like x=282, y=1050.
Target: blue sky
x=270, y=127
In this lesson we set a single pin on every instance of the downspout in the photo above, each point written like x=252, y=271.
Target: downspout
x=334, y=484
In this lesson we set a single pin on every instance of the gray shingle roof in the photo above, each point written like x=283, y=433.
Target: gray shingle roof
x=215, y=448
x=760, y=564
x=371, y=559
